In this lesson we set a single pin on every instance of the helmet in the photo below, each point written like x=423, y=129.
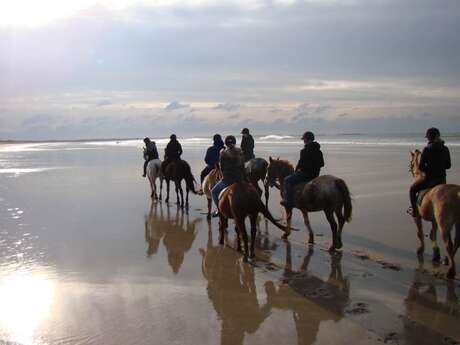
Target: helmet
x=217, y=138
x=146, y=140
x=173, y=137
x=308, y=136
x=432, y=133
x=245, y=131
x=230, y=140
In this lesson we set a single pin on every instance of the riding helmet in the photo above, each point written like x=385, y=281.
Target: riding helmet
x=245, y=131
x=432, y=133
x=173, y=137
x=230, y=140
x=308, y=136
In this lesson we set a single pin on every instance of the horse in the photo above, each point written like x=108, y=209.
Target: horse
x=214, y=176
x=325, y=193
x=238, y=201
x=440, y=205
x=256, y=169
x=176, y=171
x=154, y=172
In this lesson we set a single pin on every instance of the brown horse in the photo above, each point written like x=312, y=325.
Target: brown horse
x=177, y=171
x=239, y=201
x=208, y=184
x=325, y=193
x=440, y=206
x=256, y=170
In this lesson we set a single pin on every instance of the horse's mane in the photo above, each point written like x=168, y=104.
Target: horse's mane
x=285, y=165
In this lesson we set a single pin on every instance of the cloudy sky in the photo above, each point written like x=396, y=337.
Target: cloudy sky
x=88, y=68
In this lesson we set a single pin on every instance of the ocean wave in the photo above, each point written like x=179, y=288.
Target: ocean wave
x=276, y=137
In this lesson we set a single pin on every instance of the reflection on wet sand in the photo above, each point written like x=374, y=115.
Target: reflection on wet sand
x=178, y=233
x=232, y=292
x=311, y=299
x=432, y=307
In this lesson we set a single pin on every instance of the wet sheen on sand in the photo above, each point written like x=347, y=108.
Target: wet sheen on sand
x=86, y=258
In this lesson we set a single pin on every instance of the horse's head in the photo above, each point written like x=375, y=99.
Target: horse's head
x=273, y=170
x=414, y=163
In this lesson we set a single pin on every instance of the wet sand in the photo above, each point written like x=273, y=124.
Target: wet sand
x=86, y=258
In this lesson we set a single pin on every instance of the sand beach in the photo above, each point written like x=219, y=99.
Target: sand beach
x=86, y=257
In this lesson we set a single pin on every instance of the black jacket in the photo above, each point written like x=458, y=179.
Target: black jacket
x=247, y=146
x=435, y=160
x=311, y=160
x=150, y=151
x=173, y=150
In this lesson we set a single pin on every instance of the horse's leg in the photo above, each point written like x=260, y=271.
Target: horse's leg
x=177, y=192
x=434, y=242
x=288, y=224
x=209, y=208
x=222, y=226
x=267, y=194
x=187, y=190
x=445, y=232
x=161, y=187
x=418, y=223
x=330, y=218
x=253, y=219
x=167, y=190
x=306, y=220
x=341, y=219
x=457, y=237
x=242, y=232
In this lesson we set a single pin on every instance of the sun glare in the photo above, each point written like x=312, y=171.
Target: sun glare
x=25, y=301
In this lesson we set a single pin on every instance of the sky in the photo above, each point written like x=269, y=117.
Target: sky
x=105, y=69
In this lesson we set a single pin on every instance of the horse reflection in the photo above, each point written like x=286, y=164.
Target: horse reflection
x=177, y=232
x=232, y=292
x=310, y=298
x=432, y=307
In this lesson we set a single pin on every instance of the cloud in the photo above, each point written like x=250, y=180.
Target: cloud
x=104, y=102
x=227, y=107
x=175, y=105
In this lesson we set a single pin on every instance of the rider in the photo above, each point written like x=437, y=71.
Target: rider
x=247, y=145
x=434, y=162
x=232, y=166
x=150, y=153
x=212, y=156
x=310, y=163
x=173, y=151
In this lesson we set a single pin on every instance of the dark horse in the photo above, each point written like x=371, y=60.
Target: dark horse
x=256, y=170
x=238, y=201
x=325, y=193
x=177, y=171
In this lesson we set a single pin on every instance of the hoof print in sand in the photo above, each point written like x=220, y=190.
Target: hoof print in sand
x=391, y=337
x=358, y=309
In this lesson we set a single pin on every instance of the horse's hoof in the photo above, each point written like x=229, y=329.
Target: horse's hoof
x=311, y=240
x=245, y=258
x=445, y=261
x=339, y=245
x=208, y=217
x=436, y=255
x=331, y=249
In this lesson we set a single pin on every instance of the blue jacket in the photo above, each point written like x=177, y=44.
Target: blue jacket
x=213, y=154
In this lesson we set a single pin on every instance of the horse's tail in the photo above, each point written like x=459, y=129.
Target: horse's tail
x=342, y=186
x=188, y=177
x=269, y=216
